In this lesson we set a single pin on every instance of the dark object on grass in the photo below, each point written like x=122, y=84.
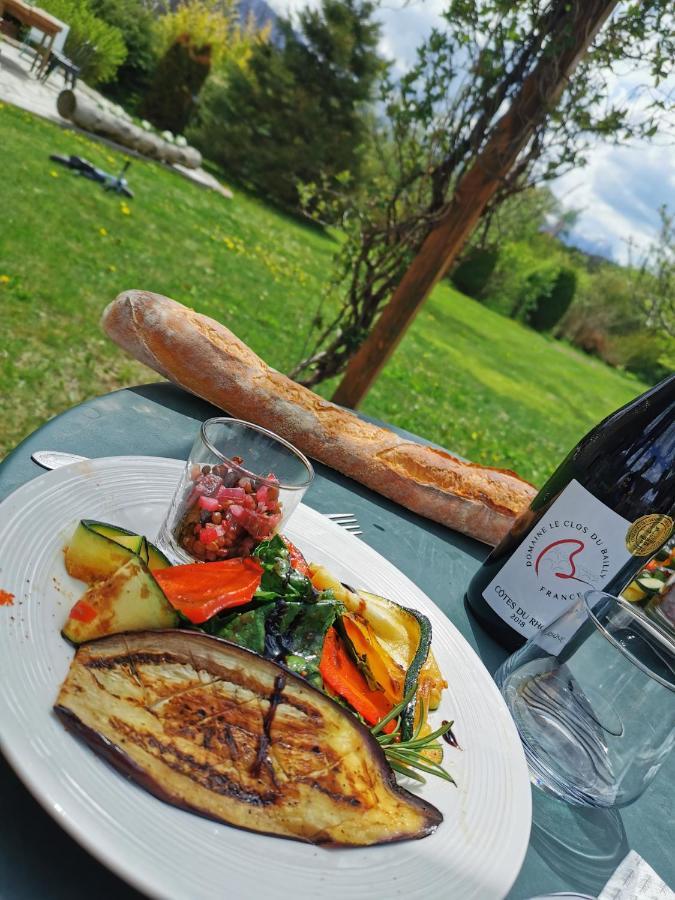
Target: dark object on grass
x=80, y=166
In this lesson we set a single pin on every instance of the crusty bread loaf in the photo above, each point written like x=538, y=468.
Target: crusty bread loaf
x=204, y=357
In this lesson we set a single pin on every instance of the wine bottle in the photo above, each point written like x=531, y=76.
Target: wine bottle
x=606, y=509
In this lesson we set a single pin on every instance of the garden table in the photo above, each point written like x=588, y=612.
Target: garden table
x=34, y=17
x=570, y=848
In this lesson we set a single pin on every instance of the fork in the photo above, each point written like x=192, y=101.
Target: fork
x=348, y=521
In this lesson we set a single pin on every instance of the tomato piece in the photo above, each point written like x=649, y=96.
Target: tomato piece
x=83, y=612
x=298, y=561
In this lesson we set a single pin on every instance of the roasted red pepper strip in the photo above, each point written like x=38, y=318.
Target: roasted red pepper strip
x=342, y=676
x=200, y=590
x=298, y=561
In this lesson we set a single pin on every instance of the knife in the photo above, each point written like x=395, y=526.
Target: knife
x=53, y=459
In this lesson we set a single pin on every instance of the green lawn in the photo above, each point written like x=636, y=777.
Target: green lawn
x=464, y=377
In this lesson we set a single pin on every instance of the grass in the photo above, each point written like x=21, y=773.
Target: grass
x=464, y=376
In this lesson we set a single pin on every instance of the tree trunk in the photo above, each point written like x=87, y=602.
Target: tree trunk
x=540, y=91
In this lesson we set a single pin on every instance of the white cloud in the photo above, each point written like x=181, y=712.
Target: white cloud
x=619, y=193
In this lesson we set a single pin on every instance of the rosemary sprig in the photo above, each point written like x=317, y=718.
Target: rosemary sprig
x=407, y=757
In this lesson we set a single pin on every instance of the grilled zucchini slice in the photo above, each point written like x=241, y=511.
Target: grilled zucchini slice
x=130, y=600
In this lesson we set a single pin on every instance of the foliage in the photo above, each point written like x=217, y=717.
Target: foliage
x=193, y=38
x=525, y=272
x=136, y=22
x=213, y=23
x=606, y=320
x=552, y=305
x=445, y=110
x=295, y=113
x=654, y=280
x=471, y=276
x=179, y=77
x=462, y=376
x=94, y=45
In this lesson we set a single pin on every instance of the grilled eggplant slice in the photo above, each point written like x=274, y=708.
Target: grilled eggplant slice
x=213, y=728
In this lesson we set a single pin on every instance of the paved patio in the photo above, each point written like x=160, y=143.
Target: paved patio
x=21, y=88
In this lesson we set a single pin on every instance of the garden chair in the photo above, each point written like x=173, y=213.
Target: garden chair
x=71, y=67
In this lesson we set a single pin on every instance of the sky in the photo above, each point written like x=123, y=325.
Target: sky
x=617, y=193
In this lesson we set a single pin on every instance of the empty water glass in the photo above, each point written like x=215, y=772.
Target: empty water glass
x=593, y=697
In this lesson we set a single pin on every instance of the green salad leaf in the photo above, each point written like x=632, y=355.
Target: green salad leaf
x=279, y=578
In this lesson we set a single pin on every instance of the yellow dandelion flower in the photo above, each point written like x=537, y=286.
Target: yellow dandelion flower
x=103, y=232
x=53, y=173
x=124, y=209
x=5, y=279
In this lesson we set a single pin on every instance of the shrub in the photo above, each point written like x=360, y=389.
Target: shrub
x=137, y=24
x=524, y=273
x=550, y=307
x=473, y=272
x=97, y=47
x=179, y=78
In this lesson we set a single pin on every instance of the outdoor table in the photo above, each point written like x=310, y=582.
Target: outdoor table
x=571, y=848
x=38, y=18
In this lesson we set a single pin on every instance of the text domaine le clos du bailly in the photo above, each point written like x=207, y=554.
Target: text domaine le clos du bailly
x=607, y=508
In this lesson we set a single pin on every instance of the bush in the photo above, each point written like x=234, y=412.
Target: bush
x=605, y=320
x=136, y=23
x=179, y=78
x=550, y=307
x=97, y=47
x=473, y=273
x=524, y=273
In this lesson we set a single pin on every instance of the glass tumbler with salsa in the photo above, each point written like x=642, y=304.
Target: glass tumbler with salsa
x=240, y=484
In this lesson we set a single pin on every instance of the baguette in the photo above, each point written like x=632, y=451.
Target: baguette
x=204, y=357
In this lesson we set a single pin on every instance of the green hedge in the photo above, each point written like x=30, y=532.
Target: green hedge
x=473, y=273
x=552, y=305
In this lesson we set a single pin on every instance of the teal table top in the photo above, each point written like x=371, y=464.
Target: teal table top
x=570, y=848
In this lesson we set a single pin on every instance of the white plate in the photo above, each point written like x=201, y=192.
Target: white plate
x=476, y=852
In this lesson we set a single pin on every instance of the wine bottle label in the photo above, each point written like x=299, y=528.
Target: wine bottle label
x=579, y=544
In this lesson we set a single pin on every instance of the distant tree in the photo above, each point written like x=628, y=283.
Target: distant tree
x=295, y=113
x=506, y=93
x=136, y=22
x=192, y=40
x=654, y=277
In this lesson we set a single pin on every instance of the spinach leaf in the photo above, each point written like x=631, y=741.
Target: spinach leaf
x=248, y=628
x=279, y=578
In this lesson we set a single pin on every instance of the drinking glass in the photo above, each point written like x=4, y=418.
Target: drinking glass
x=240, y=484
x=593, y=697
